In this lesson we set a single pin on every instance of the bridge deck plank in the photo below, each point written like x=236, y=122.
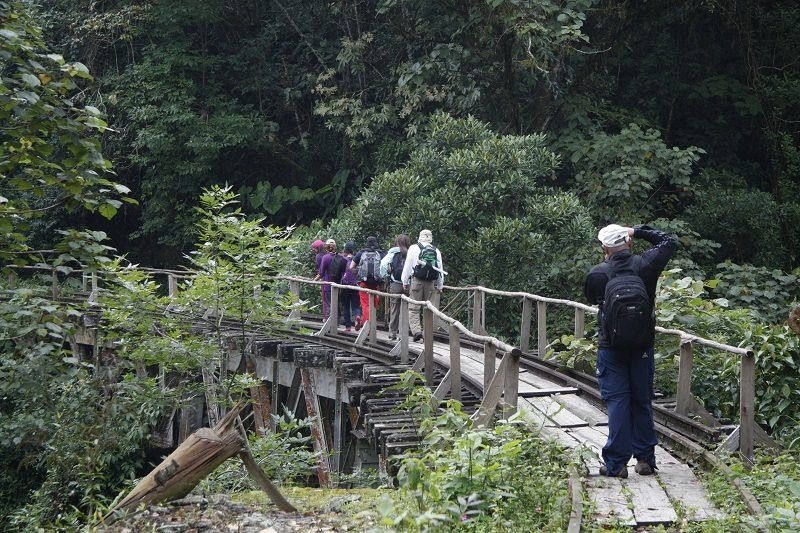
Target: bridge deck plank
x=573, y=421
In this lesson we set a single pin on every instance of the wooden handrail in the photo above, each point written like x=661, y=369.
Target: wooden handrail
x=491, y=344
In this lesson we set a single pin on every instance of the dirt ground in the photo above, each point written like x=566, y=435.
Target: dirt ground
x=251, y=512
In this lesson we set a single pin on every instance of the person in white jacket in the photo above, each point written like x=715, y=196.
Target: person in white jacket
x=423, y=277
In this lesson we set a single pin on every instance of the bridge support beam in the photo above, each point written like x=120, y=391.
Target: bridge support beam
x=541, y=329
x=478, y=320
x=403, y=332
x=337, y=423
x=525, y=326
x=373, y=321
x=273, y=407
x=455, y=363
x=683, y=395
x=334, y=312
x=580, y=320
x=317, y=430
x=172, y=286
x=489, y=365
x=511, y=392
x=427, y=330
x=747, y=399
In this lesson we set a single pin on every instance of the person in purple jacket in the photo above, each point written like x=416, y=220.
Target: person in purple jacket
x=351, y=308
x=325, y=273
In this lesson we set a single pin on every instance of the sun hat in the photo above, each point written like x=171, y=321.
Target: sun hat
x=330, y=241
x=613, y=235
x=425, y=236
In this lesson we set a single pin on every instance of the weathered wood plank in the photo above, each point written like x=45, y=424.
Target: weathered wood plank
x=609, y=501
x=651, y=505
x=684, y=389
x=683, y=486
x=317, y=431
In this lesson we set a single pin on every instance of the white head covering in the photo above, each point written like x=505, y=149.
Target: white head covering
x=425, y=236
x=330, y=241
x=613, y=235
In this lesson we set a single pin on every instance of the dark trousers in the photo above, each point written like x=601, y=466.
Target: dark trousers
x=348, y=298
x=626, y=385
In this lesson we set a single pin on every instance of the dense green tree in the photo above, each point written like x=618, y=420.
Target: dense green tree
x=486, y=199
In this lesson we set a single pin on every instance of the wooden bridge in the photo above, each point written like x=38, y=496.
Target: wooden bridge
x=341, y=378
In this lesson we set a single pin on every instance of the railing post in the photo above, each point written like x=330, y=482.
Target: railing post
x=525, y=326
x=683, y=393
x=294, y=288
x=511, y=392
x=489, y=364
x=12, y=280
x=427, y=330
x=172, y=286
x=55, y=284
x=747, y=398
x=334, y=311
x=477, y=312
x=85, y=282
x=541, y=329
x=373, y=320
x=455, y=363
x=403, y=331
x=580, y=321
x=93, y=294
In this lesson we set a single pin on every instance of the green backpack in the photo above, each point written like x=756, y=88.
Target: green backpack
x=427, y=267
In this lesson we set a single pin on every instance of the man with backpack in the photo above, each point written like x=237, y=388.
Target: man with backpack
x=366, y=264
x=423, y=277
x=331, y=268
x=624, y=287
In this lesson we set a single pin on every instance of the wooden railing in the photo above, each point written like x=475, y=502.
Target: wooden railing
x=686, y=404
x=498, y=381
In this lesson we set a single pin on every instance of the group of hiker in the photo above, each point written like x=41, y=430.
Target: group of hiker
x=623, y=286
x=411, y=269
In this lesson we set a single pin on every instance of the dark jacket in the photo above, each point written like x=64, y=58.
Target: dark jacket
x=652, y=263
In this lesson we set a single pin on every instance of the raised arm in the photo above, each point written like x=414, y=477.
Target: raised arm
x=664, y=247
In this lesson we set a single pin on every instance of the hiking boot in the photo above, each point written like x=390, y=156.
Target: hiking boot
x=392, y=337
x=417, y=336
x=643, y=468
x=623, y=472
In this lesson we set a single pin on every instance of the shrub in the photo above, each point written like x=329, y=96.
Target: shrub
x=747, y=224
x=768, y=292
x=479, y=478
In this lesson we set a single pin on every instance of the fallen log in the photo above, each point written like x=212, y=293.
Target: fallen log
x=199, y=455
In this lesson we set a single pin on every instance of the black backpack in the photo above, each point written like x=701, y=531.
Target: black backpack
x=336, y=268
x=398, y=261
x=427, y=263
x=627, y=313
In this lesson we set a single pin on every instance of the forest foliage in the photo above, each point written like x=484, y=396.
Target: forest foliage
x=512, y=128
x=679, y=109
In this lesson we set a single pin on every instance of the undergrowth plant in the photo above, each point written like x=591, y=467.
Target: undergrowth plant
x=476, y=479
x=285, y=455
x=87, y=435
